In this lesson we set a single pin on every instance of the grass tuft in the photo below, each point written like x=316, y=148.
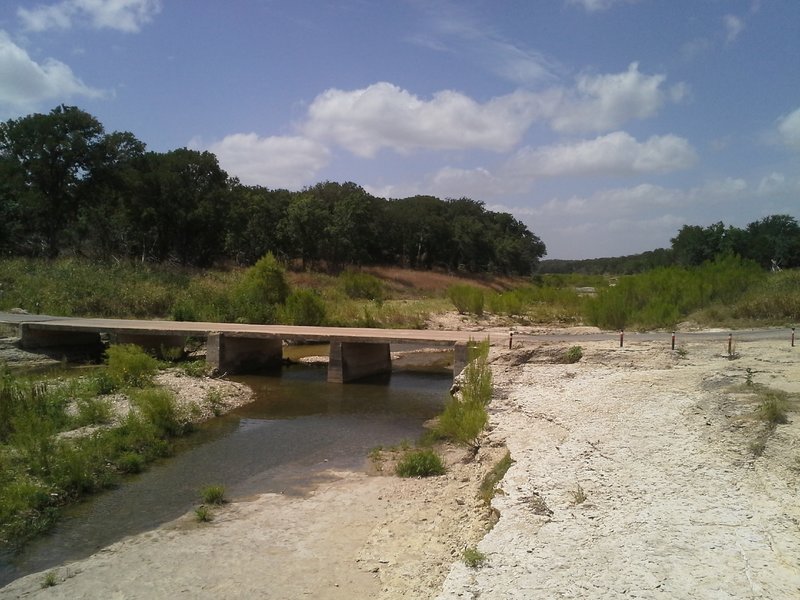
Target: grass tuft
x=213, y=494
x=420, y=463
x=493, y=477
x=473, y=557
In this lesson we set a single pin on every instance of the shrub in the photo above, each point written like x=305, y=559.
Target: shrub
x=259, y=292
x=93, y=411
x=356, y=284
x=203, y=514
x=473, y=557
x=773, y=408
x=466, y=299
x=129, y=365
x=304, y=307
x=213, y=494
x=195, y=368
x=130, y=462
x=464, y=417
x=157, y=406
x=571, y=356
x=420, y=463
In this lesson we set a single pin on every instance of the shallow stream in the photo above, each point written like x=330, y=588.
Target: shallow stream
x=298, y=427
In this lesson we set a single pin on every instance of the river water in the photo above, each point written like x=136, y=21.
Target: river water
x=298, y=427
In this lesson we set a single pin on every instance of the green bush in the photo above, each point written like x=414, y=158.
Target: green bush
x=571, y=356
x=129, y=365
x=773, y=408
x=356, y=284
x=420, y=463
x=662, y=297
x=262, y=288
x=466, y=299
x=157, y=406
x=304, y=307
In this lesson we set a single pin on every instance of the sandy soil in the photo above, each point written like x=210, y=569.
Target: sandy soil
x=634, y=477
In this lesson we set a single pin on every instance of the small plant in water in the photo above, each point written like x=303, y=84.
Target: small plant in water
x=473, y=557
x=213, y=494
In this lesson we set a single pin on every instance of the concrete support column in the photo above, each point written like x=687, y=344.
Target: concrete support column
x=234, y=354
x=354, y=360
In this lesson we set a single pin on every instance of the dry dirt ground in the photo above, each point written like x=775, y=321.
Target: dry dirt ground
x=635, y=476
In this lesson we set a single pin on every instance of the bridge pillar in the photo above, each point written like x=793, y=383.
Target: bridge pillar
x=235, y=354
x=354, y=360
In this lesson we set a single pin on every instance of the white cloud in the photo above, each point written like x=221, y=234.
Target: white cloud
x=733, y=27
x=27, y=83
x=617, y=153
x=604, y=102
x=598, y=5
x=276, y=162
x=122, y=15
x=789, y=129
x=771, y=184
x=386, y=116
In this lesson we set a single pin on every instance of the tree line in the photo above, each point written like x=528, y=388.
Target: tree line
x=68, y=187
x=773, y=242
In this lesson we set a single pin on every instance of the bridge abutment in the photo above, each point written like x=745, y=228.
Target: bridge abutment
x=237, y=354
x=354, y=360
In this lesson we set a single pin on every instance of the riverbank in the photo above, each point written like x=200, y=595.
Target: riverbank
x=635, y=475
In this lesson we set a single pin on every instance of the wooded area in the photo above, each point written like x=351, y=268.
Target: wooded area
x=67, y=187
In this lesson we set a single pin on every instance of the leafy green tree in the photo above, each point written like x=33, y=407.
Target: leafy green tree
x=48, y=157
x=253, y=222
x=774, y=238
x=178, y=207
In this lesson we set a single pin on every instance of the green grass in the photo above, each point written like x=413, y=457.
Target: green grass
x=203, y=514
x=41, y=471
x=464, y=415
x=490, y=481
x=773, y=407
x=571, y=356
x=420, y=463
x=213, y=494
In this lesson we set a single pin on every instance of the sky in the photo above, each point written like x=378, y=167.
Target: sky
x=603, y=125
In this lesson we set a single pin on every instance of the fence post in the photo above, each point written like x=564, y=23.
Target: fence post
x=510, y=339
x=730, y=344
x=792, y=337
x=621, y=337
x=673, y=340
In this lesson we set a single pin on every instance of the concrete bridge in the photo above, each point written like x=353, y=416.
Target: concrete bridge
x=240, y=348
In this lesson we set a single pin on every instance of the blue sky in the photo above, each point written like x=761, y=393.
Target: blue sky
x=604, y=125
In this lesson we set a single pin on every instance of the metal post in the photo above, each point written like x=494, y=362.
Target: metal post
x=730, y=344
x=510, y=339
x=621, y=337
x=792, y=337
x=673, y=340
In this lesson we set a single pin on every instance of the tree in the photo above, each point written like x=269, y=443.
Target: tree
x=179, y=206
x=774, y=238
x=48, y=157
